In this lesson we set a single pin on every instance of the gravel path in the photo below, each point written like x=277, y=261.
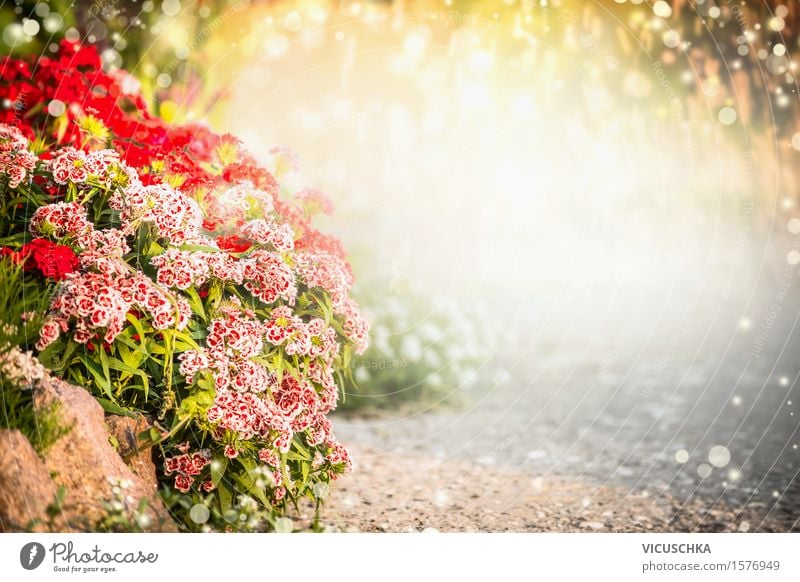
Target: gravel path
x=408, y=493
x=653, y=411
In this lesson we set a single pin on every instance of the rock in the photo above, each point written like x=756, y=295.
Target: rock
x=26, y=488
x=86, y=464
x=126, y=431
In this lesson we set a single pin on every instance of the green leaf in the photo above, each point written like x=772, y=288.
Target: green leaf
x=300, y=451
x=188, y=407
x=114, y=408
x=205, y=398
x=218, y=468
x=246, y=481
x=294, y=372
x=196, y=303
x=246, y=462
x=137, y=325
x=183, y=341
x=66, y=357
x=119, y=366
x=102, y=380
x=347, y=356
x=199, y=248
x=225, y=497
x=278, y=365
x=101, y=352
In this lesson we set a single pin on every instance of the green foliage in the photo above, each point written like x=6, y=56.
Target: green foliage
x=20, y=298
x=23, y=301
x=41, y=427
x=422, y=354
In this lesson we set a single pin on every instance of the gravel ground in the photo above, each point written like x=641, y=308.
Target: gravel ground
x=657, y=409
x=408, y=493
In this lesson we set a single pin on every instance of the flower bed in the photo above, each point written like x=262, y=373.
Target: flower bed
x=186, y=285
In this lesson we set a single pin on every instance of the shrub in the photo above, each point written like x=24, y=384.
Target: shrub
x=423, y=353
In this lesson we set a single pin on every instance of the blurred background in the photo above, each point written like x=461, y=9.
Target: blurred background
x=574, y=224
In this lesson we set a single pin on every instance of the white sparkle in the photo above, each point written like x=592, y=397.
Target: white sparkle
x=719, y=456
x=56, y=108
x=727, y=116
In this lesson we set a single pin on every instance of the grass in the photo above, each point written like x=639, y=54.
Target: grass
x=22, y=303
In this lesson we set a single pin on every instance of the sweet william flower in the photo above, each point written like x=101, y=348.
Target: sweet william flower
x=16, y=162
x=60, y=221
x=183, y=483
x=52, y=260
x=315, y=202
x=233, y=243
x=51, y=330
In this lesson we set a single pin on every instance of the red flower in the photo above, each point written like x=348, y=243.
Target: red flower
x=54, y=261
x=183, y=483
x=233, y=243
x=16, y=257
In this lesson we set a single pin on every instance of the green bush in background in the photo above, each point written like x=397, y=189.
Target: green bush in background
x=423, y=352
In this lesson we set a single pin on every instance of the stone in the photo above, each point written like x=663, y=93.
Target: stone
x=126, y=431
x=86, y=464
x=26, y=489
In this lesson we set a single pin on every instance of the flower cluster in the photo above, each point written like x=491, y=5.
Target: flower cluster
x=311, y=339
x=321, y=269
x=183, y=269
x=315, y=202
x=176, y=217
x=16, y=162
x=21, y=368
x=98, y=302
x=251, y=400
x=267, y=276
x=52, y=260
x=279, y=236
x=188, y=466
x=101, y=167
x=61, y=221
x=235, y=202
